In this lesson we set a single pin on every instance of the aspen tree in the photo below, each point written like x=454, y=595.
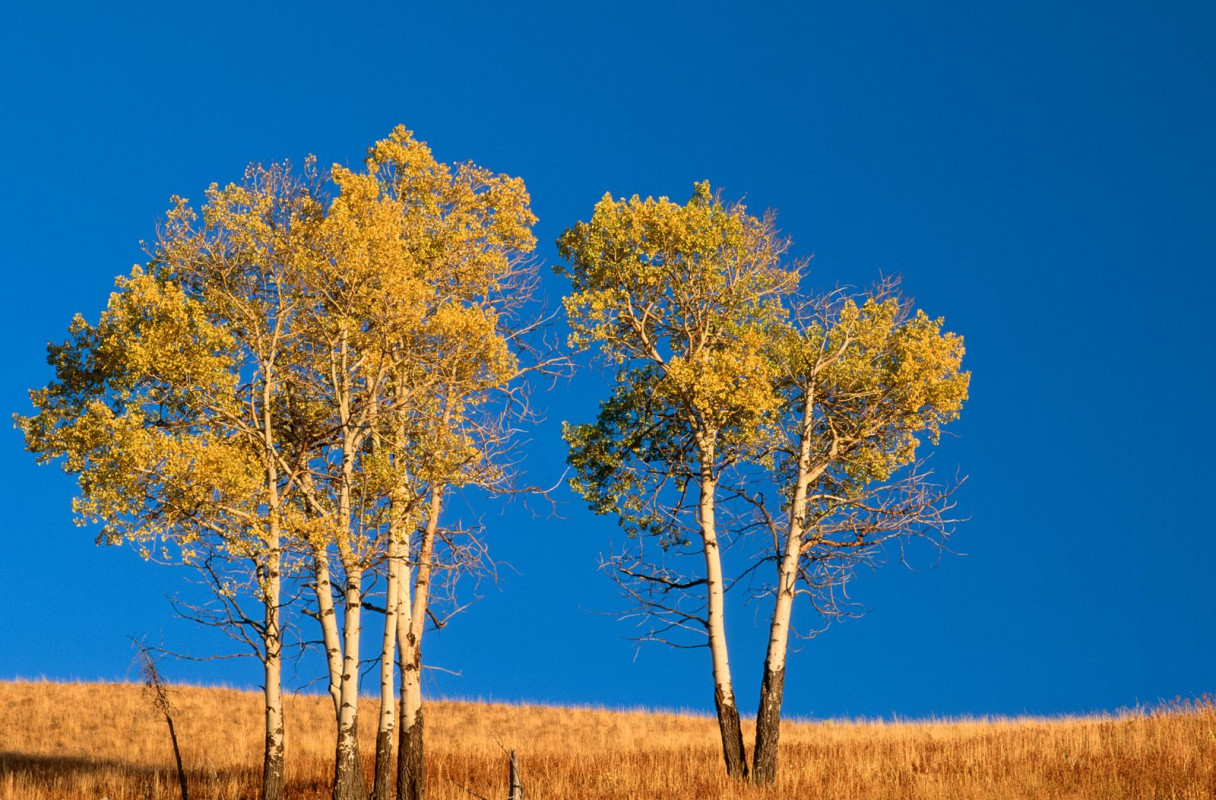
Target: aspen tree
x=862, y=384
x=680, y=300
x=342, y=383
x=466, y=233
x=420, y=267
x=170, y=409
x=726, y=384
x=291, y=373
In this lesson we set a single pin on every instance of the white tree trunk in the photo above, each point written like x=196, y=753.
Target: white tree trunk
x=274, y=754
x=273, y=762
x=349, y=782
x=411, y=755
x=382, y=788
x=724, y=694
x=772, y=686
x=327, y=616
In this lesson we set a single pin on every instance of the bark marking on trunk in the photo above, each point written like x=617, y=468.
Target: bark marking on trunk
x=768, y=728
x=329, y=626
x=411, y=761
x=732, y=733
x=349, y=783
x=382, y=785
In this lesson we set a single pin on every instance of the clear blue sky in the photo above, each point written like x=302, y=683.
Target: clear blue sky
x=1041, y=173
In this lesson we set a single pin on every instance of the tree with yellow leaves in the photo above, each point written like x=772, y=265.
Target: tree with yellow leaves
x=724, y=384
x=862, y=383
x=682, y=301
x=420, y=267
x=172, y=410
x=313, y=365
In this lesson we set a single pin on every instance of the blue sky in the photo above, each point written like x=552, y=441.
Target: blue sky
x=1041, y=174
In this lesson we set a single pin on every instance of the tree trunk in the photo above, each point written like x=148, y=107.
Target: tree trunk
x=731, y=732
x=724, y=695
x=327, y=616
x=382, y=786
x=411, y=760
x=273, y=759
x=768, y=727
x=772, y=687
x=382, y=780
x=349, y=781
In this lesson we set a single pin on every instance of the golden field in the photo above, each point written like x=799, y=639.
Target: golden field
x=88, y=741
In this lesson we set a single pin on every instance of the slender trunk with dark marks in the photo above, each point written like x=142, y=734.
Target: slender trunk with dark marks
x=411, y=759
x=382, y=785
x=273, y=782
x=731, y=732
x=724, y=694
x=349, y=781
x=273, y=787
x=772, y=687
x=272, y=633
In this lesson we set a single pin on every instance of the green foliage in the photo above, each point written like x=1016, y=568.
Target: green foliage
x=637, y=445
x=684, y=300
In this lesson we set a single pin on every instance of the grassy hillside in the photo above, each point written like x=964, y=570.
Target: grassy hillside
x=94, y=741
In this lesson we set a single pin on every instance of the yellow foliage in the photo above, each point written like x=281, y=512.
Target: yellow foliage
x=283, y=322
x=693, y=289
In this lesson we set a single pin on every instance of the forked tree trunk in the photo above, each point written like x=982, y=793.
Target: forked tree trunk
x=411, y=757
x=724, y=694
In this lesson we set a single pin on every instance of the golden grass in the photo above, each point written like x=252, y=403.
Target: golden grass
x=91, y=741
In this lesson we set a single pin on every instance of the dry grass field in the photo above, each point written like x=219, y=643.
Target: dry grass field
x=94, y=741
